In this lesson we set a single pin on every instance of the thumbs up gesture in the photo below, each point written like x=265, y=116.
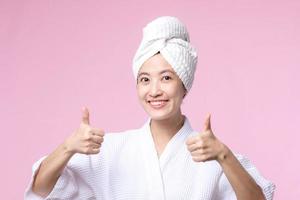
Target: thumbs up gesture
x=85, y=139
x=205, y=146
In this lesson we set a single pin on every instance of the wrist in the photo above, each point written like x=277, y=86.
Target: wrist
x=223, y=154
x=67, y=149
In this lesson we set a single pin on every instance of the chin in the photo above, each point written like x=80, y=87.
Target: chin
x=159, y=115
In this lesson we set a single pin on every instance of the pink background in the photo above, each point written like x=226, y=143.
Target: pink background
x=57, y=56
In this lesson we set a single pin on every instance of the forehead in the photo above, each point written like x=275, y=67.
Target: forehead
x=156, y=64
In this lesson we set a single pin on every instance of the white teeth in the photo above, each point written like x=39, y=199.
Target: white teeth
x=156, y=103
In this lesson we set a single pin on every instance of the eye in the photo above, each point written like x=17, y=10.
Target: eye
x=167, y=78
x=144, y=79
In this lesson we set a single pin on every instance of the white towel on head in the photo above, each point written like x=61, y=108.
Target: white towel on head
x=170, y=37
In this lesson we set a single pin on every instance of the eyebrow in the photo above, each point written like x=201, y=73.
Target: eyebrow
x=163, y=71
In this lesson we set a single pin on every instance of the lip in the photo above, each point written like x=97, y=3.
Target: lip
x=157, y=104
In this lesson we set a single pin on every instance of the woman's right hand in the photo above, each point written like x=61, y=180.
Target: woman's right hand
x=85, y=139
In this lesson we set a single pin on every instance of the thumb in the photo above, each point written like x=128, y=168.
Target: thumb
x=207, y=125
x=85, y=116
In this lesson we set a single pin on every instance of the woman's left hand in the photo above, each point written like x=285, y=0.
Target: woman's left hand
x=206, y=146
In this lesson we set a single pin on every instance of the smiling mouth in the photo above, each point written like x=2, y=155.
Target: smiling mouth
x=157, y=104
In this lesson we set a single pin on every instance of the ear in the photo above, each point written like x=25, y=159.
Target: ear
x=185, y=92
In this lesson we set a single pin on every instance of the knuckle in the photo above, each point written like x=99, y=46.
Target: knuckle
x=87, y=136
x=86, y=151
x=203, y=136
x=204, y=157
x=200, y=143
x=87, y=145
x=201, y=151
x=196, y=159
x=194, y=153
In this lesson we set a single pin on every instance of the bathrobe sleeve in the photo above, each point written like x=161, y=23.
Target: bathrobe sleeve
x=72, y=183
x=225, y=191
x=85, y=176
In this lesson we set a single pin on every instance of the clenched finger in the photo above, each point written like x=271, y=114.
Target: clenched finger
x=96, y=131
x=95, y=146
x=200, y=158
x=198, y=152
x=95, y=151
x=192, y=140
x=97, y=139
x=197, y=145
x=92, y=150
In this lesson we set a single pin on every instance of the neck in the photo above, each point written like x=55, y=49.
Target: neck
x=163, y=130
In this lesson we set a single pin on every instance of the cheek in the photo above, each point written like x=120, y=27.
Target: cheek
x=176, y=92
x=141, y=92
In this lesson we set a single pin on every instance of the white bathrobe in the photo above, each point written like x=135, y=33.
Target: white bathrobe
x=128, y=168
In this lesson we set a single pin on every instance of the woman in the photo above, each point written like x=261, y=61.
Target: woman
x=165, y=159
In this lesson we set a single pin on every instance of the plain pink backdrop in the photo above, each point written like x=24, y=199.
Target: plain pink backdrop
x=57, y=56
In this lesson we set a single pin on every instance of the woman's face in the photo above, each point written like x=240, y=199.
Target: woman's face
x=159, y=89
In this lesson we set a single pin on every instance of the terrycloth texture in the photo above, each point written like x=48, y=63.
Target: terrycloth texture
x=127, y=168
x=170, y=37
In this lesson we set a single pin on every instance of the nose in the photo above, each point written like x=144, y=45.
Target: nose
x=155, y=89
